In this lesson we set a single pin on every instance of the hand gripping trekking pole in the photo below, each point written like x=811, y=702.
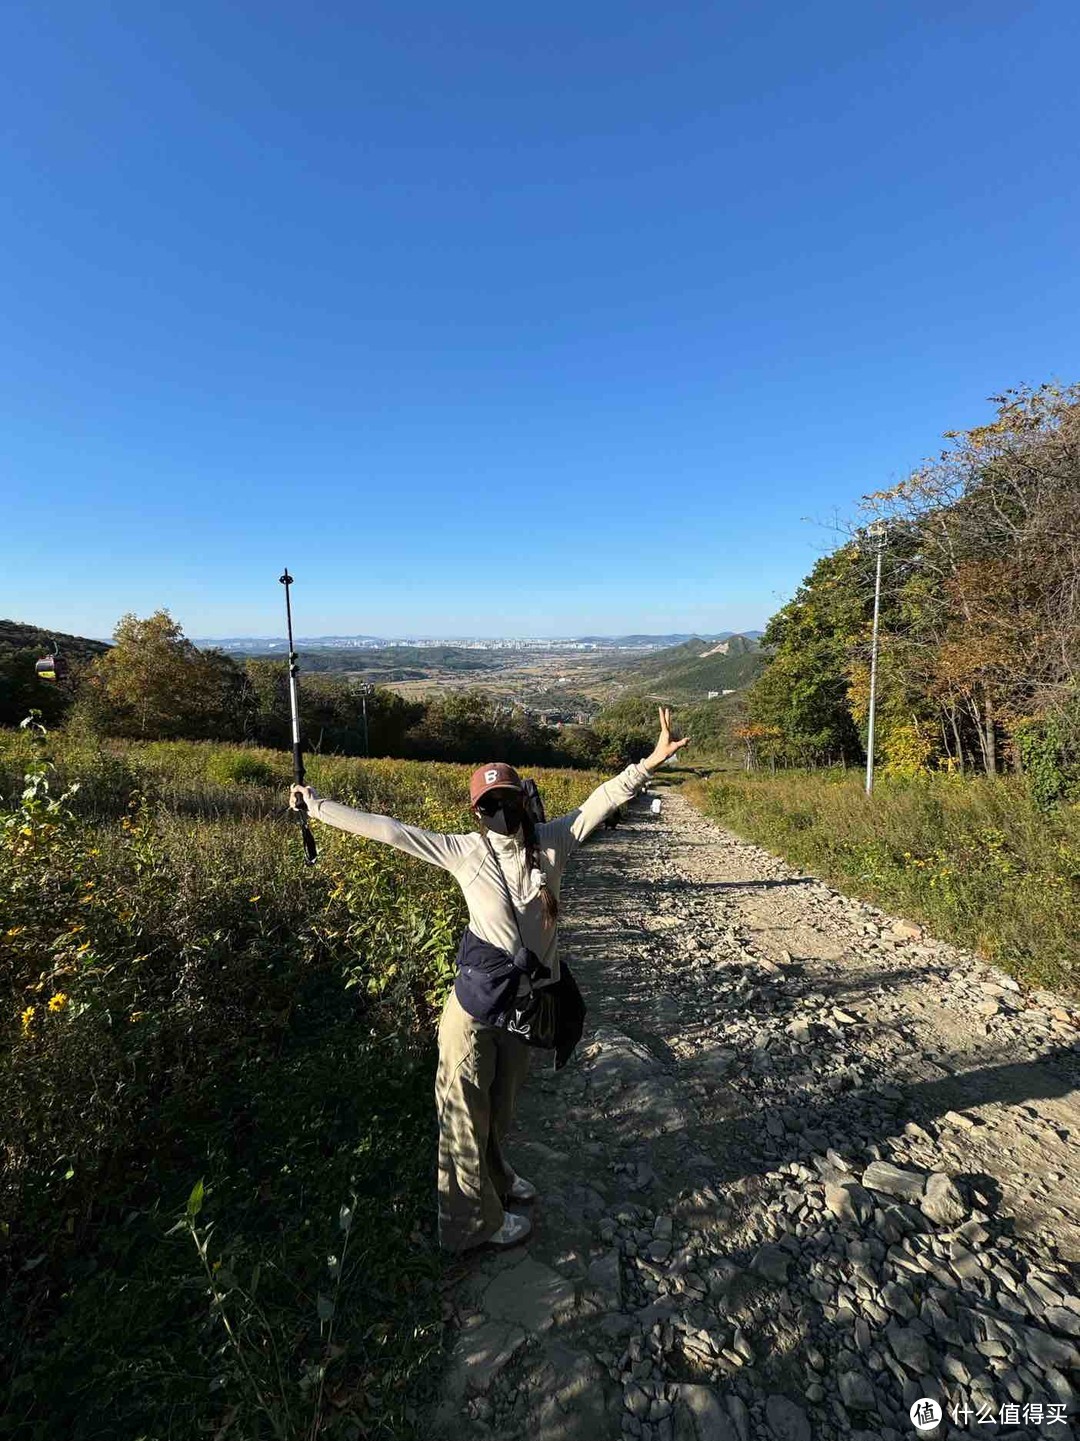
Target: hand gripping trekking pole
x=300, y=811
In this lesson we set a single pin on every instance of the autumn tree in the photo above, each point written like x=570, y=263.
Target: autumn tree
x=991, y=599
x=156, y=684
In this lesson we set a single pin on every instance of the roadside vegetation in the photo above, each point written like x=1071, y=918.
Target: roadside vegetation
x=976, y=861
x=216, y=1072
x=974, y=822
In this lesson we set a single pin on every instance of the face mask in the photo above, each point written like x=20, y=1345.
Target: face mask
x=506, y=821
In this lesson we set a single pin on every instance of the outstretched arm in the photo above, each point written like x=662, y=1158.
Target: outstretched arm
x=570, y=830
x=438, y=850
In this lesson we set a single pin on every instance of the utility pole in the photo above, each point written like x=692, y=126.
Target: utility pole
x=363, y=703
x=877, y=530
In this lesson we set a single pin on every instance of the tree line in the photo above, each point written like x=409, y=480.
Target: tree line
x=979, y=654
x=154, y=683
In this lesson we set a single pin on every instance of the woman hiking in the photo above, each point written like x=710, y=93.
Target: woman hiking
x=510, y=872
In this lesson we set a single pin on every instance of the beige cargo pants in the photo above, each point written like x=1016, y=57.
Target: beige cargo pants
x=480, y=1071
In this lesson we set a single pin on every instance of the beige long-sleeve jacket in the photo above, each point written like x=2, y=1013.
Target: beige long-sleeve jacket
x=467, y=859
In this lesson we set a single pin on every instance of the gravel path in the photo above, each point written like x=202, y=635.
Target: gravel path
x=809, y=1167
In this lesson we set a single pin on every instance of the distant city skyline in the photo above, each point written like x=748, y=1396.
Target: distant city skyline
x=581, y=641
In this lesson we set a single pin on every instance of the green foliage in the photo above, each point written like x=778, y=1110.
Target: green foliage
x=240, y=768
x=469, y=726
x=976, y=860
x=22, y=689
x=803, y=693
x=626, y=730
x=1047, y=757
x=195, y=1026
x=155, y=683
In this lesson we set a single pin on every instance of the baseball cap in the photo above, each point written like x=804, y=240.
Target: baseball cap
x=495, y=776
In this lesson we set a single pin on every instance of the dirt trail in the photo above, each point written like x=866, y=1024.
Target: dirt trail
x=808, y=1168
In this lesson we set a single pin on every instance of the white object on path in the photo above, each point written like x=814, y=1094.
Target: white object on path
x=656, y=806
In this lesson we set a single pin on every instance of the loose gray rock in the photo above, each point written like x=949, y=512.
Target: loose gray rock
x=699, y=1415
x=857, y=1391
x=604, y=1282
x=739, y=1415
x=1049, y=1353
x=883, y=1176
x=1063, y=1318
x=529, y=1294
x=848, y=1202
x=941, y=1201
x=773, y=1263
x=898, y=1299
x=575, y=1405
x=909, y=1348
x=787, y=1421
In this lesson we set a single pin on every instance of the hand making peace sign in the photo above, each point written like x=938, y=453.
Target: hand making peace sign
x=665, y=746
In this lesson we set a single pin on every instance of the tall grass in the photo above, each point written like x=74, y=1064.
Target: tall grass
x=975, y=860
x=183, y=1000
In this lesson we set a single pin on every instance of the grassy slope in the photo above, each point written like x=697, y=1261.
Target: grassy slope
x=232, y=1015
x=975, y=861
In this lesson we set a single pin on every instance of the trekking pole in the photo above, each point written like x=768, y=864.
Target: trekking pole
x=300, y=810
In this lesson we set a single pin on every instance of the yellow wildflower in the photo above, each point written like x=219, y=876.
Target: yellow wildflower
x=27, y=1018
x=253, y=899
x=58, y=1001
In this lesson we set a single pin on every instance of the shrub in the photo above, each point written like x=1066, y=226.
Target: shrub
x=228, y=767
x=1046, y=758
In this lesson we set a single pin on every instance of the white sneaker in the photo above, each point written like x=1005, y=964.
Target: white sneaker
x=513, y=1229
x=522, y=1190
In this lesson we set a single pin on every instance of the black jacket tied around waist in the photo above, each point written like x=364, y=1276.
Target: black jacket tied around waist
x=487, y=983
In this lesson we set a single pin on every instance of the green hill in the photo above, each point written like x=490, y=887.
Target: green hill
x=21, y=689
x=690, y=671
x=17, y=635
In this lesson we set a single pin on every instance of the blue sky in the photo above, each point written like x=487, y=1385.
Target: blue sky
x=489, y=320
